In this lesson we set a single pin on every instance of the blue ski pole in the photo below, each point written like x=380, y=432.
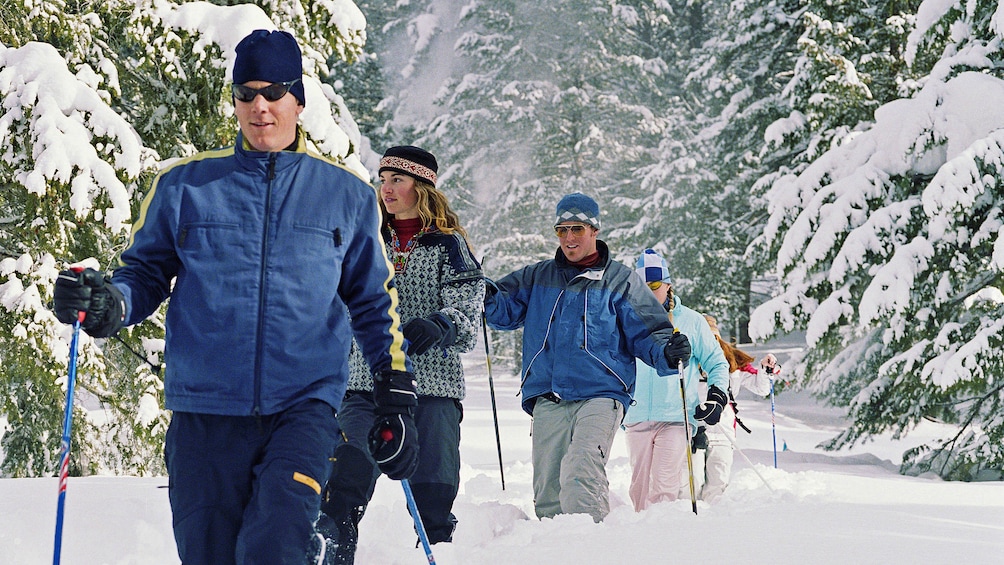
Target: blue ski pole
x=773, y=428
x=64, y=457
x=418, y=521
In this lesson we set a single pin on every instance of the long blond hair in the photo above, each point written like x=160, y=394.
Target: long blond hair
x=433, y=209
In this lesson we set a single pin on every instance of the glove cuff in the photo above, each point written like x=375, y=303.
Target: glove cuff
x=394, y=391
x=106, y=315
x=716, y=394
x=449, y=329
x=491, y=289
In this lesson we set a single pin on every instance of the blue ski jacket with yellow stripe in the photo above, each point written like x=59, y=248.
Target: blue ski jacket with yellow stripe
x=264, y=256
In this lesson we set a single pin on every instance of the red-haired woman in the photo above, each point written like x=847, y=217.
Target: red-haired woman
x=742, y=374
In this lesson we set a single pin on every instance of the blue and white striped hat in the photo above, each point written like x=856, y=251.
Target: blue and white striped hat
x=577, y=207
x=652, y=267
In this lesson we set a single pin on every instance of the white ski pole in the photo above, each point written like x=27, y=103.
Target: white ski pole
x=724, y=431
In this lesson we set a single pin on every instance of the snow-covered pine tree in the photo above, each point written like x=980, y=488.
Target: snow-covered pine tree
x=544, y=99
x=92, y=97
x=70, y=166
x=890, y=246
x=389, y=86
x=697, y=201
x=548, y=99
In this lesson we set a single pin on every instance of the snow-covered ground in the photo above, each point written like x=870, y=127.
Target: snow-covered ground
x=841, y=508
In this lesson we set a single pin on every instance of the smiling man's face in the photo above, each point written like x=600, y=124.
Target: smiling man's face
x=268, y=126
x=577, y=240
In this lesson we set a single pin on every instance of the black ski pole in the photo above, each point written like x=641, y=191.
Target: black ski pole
x=491, y=389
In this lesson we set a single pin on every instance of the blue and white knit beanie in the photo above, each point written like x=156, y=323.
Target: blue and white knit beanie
x=652, y=267
x=271, y=56
x=578, y=207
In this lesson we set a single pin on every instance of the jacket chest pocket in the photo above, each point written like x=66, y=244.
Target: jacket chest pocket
x=327, y=237
x=215, y=241
x=320, y=247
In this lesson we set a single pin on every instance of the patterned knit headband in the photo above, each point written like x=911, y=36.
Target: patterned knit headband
x=408, y=167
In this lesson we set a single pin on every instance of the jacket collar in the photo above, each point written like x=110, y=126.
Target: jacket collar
x=592, y=273
x=255, y=160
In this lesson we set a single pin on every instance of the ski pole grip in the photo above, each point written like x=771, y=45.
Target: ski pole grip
x=81, y=314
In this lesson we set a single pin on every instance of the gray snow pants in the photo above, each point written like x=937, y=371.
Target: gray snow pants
x=571, y=445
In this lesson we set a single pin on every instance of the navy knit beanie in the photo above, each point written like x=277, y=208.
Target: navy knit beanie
x=578, y=207
x=412, y=161
x=271, y=56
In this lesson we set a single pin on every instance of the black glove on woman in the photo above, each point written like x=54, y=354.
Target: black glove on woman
x=677, y=349
x=424, y=333
x=710, y=411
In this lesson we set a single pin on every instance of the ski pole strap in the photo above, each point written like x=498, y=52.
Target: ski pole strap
x=743, y=426
x=735, y=410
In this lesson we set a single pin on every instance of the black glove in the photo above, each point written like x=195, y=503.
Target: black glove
x=423, y=333
x=91, y=292
x=677, y=349
x=700, y=440
x=490, y=289
x=393, y=439
x=710, y=411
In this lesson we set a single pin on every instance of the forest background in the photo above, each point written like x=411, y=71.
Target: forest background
x=829, y=168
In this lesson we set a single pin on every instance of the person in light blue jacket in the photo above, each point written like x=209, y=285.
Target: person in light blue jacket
x=656, y=434
x=585, y=319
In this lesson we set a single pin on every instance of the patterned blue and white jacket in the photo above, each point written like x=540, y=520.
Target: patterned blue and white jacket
x=441, y=275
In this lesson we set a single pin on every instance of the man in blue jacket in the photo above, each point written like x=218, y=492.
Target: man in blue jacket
x=263, y=249
x=585, y=318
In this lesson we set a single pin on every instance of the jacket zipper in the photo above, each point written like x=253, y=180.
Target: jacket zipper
x=585, y=342
x=261, y=285
x=543, y=344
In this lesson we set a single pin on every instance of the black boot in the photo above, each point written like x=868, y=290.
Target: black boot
x=435, y=502
x=340, y=537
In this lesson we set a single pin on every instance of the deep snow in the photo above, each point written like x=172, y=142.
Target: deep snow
x=844, y=507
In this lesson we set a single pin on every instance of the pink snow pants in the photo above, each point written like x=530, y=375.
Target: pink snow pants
x=658, y=461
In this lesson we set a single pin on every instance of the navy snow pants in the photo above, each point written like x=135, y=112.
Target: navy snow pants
x=247, y=489
x=436, y=480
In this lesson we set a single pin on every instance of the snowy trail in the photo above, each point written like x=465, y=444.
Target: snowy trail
x=840, y=507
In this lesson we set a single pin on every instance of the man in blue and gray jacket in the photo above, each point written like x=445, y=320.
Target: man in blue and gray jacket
x=585, y=318
x=264, y=249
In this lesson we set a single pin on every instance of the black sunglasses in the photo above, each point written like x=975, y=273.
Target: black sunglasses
x=272, y=92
